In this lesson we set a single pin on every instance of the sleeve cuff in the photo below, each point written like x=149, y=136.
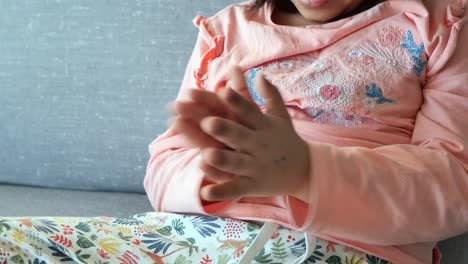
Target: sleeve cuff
x=308, y=216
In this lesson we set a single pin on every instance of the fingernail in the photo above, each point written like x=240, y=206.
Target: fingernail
x=204, y=124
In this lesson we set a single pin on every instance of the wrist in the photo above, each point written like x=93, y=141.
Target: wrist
x=302, y=193
x=302, y=190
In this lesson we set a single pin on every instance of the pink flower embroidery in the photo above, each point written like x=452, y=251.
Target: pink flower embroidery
x=369, y=103
x=390, y=36
x=328, y=90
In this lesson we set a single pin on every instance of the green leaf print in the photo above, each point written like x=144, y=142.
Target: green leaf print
x=183, y=243
x=83, y=242
x=45, y=226
x=3, y=225
x=83, y=227
x=165, y=231
x=121, y=221
x=82, y=257
x=191, y=250
x=251, y=227
x=99, y=223
x=36, y=261
x=100, y=262
x=223, y=259
x=142, y=215
x=334, y=260
x=178, y=226
x=262, y=258
x=93, y=237
x=57, y=252
x=123, y=237
x=17, y=259
x=191, y=240
x=279, y=249
x=182, y=260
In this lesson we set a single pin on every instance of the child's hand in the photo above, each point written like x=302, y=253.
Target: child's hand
x=267, y=157
x=201, y=104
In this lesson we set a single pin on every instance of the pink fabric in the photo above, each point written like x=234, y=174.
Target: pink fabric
x=380, y=97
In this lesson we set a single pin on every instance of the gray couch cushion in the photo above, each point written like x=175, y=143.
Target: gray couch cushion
x=455, y=250
x=34, y=201
x=84, y=85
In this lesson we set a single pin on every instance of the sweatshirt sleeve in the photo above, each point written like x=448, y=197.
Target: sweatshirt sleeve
x=400, y=194
x=173, y=178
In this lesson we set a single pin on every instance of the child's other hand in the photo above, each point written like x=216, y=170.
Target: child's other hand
x=201, y=104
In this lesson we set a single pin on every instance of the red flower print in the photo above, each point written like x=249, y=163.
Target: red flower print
x=62, y=240
x=105, y=218
x=67, y=230
x=275, y=236
x=206, y=260
x=102, y=253
x=136, y=242
x=104, y=230
x=129, y=258
x=331, y=246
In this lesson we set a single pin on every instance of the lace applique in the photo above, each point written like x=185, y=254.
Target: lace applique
x=322, y=116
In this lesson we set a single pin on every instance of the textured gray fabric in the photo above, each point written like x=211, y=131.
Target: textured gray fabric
x=84, y=84
x=35, y=201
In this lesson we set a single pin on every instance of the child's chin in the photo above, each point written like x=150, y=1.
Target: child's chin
x=319, y=17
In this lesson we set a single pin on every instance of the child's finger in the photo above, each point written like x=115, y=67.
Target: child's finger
x=192, y=110
x=214, y=174
x=230, y=161
x=230, y=133
x=209, y=100
x=239, y=84
x=194, y=134
x=246, y=111
x=230, y=190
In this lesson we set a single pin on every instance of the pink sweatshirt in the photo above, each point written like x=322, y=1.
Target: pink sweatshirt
x=381, y=98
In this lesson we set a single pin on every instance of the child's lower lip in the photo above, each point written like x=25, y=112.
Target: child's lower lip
x=314, y=3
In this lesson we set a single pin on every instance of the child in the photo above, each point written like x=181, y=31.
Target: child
x=379, y=162
x=335, y=139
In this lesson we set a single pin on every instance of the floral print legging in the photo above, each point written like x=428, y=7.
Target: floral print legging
x=163, y=238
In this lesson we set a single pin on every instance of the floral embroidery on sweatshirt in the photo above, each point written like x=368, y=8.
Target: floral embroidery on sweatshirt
x=390, y=36
x=328, y=89
x=374, y=95
x=344, y=119
x=345, y=87
x=417, y=52
x=387, y=62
